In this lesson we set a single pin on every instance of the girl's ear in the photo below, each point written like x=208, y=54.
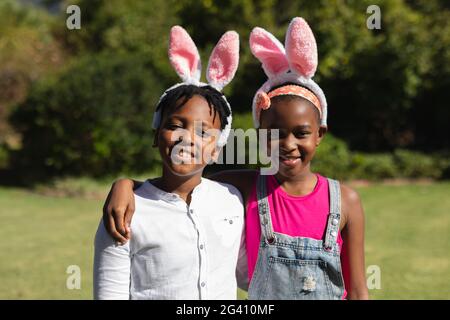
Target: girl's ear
x=301, y=48
x=267, y=49
x=183, y=55
x=322, y=131
x=223, y=61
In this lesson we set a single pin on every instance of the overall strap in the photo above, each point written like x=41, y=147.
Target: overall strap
x=264, y=209
x=334, y=218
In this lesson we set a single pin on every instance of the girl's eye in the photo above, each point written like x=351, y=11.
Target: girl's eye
x=273, y=134
x=281, y=134
x=301, y=134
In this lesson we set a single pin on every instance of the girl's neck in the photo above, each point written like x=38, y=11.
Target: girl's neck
x=298, y=185
x=181, y=185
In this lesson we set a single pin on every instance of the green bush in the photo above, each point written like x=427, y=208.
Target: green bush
x=415, y=165
x=372, y=166
x=3, y=156
x=399, y=164
x=92, y=119
x=332, y=158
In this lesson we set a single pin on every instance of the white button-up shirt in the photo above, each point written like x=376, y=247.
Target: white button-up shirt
x=176, y=251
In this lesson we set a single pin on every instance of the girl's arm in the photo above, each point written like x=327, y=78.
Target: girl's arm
x=352, y=257
x=118, y=209
x=243, y=180
x=111, y=268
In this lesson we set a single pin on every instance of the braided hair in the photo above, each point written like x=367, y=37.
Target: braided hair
x=216, y=102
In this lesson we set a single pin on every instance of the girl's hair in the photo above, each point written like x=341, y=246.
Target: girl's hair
x=216, y=102
x=287, y=98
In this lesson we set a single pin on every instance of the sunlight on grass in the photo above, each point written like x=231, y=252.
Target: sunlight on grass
x=407, y=236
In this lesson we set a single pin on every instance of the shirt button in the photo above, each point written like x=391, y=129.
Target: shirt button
x=334, y=222
x=333, y=233
x=201, y=246
x=203, y=284
x=191, y=211
x=231, y=221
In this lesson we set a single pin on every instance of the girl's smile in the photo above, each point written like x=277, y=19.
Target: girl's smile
x=290, y=161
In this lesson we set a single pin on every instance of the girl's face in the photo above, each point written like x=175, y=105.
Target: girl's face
x=299, y=133
x=186, y=139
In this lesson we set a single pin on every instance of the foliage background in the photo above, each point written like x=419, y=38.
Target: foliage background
x=76, y=108
x=80, y=101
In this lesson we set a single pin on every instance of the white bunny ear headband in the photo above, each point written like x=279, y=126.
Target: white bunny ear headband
x=295, y=64
x=185, y=59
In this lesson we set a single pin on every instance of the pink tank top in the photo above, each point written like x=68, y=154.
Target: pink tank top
x=297, y=216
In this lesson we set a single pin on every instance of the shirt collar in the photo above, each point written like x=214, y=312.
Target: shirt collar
x=171, y=197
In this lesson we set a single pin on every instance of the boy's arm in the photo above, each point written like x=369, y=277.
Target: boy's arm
x=119, y=209
x=111, y=268
x=353, y=263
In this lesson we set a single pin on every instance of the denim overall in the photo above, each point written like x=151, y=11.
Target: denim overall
x=297, y=268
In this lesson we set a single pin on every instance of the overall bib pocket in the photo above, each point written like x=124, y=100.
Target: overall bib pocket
x=293, y=279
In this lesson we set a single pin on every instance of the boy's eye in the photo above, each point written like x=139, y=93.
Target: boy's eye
x=173, y=126
x=202, y=133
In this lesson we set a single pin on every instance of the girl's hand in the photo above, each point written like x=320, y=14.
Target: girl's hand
x=119, y=209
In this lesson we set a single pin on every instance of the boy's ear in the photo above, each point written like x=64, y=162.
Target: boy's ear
x=156, y=137
x=322, y=131
x=215, y=154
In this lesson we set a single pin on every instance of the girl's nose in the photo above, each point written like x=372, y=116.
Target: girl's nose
x=288, y=144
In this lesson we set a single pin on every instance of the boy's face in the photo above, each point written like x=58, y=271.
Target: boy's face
x=187, y=137
x=299, y=133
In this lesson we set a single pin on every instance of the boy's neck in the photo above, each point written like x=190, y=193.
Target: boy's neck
x=181, y=185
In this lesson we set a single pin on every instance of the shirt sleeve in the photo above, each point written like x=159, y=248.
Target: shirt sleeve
x=111, y=267
x=242, y=264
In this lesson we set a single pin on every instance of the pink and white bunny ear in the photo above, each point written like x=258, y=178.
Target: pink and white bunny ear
x=301, y=48
x=184, y=56
x=223, y=61
x=267, y=49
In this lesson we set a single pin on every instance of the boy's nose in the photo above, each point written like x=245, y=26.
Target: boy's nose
x=186, y=138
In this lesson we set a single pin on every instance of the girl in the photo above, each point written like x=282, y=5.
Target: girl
x=181, y=249
x=304, y=232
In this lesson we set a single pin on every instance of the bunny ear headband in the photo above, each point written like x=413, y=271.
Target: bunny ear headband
x=295, y=64
x=185, y=59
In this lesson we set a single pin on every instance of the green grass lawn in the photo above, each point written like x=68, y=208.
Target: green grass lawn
x=407, y=236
